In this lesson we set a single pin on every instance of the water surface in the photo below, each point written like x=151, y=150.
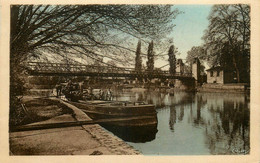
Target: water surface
x=195, y=124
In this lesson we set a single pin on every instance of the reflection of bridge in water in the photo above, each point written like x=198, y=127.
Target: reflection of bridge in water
x=61, y=69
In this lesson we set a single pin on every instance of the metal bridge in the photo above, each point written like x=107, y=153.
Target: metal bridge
x=61, y=69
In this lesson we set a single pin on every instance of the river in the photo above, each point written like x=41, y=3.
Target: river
x=194, y=123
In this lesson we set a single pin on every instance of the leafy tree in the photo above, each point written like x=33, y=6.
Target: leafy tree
x=150, y=57
x=172, y=60
x=196, y=52
x=138, y=59
x=228, y=38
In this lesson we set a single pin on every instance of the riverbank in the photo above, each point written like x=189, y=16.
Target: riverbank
x=79, y=140
x=231, y=88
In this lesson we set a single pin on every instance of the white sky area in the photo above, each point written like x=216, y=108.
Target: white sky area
x=189, y=29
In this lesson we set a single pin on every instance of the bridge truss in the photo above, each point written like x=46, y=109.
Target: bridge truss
x=61, y=69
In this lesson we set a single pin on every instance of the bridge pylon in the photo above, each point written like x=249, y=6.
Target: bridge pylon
x=196, y=71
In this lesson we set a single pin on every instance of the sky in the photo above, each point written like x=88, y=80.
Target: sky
x=189, y=28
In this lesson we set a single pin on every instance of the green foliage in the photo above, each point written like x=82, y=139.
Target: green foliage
x=172, y=60
x=17, y=115
x=150, y=57
x=138, y=59
x=196, y=52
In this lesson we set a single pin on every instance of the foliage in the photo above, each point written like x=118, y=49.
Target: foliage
x=138, y=59
x=196, y=52
x=227, y=38
x=80, y=31
x=17, y=114
x=150, y=57
x=172, y=60
x=91, y=30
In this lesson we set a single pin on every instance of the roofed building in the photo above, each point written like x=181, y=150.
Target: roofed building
x=220, y=75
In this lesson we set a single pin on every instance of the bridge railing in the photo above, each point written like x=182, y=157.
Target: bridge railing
x=43, y=67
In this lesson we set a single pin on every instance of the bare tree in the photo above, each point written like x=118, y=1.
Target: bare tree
x=95, y=31
x=85, y=29
x=91, y=32
x=229, y=33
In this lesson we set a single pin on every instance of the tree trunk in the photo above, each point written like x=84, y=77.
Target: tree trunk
x=236, y=68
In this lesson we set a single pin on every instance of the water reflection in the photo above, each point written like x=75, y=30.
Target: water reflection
x=228, y=131
x=134, y=134
x=201, y=123
x=172, y=119
x=180, y=118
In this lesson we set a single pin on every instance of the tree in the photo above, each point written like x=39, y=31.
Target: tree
x=90, y=30
x=85, y=29
x=72, y=31
x=138, y=59
x=150, y=57
x=196, y=52
x=228, y=38
x=172, y=60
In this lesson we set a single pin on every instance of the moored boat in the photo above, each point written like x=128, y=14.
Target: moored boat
x=145, y=114
x=136, y=122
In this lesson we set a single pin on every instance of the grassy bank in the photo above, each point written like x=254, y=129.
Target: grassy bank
x=30, y=110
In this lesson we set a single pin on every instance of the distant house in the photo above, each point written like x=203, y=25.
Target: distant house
x=220, y=75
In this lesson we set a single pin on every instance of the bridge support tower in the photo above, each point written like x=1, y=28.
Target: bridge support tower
x=180, y=66
x=196, y=71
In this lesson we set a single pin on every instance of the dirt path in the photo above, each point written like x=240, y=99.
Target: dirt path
x=79, y=140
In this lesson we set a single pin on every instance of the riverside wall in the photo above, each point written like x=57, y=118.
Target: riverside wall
x=234, y=87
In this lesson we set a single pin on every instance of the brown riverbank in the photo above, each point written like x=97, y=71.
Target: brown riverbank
x=79, y=140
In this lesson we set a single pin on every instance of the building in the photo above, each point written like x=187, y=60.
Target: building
x=219, y=75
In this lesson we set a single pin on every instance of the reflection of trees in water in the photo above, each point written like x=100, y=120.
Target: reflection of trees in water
x=160, y=100
x=172, y=119
x=228, y=130
x=156, y=98
x=200, y=103
x=180, y=117
x=225, y=117
x=226, y=122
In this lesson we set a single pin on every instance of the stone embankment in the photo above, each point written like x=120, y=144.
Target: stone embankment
x=232, y=88
x=79, y=140
x=114, y=144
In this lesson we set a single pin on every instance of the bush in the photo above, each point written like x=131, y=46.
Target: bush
x=17, y=115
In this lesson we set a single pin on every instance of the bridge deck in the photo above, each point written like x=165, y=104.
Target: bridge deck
x=59, y=69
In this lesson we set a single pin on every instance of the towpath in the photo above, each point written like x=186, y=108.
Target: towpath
x=79, y=140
